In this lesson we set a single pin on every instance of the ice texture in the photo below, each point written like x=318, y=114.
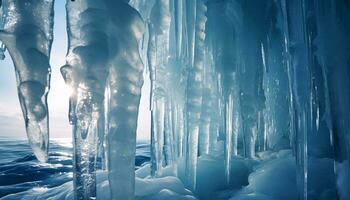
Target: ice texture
x=27, y=33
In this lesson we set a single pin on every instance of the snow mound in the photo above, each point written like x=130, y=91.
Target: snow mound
x=275, y=178
x=169, y=188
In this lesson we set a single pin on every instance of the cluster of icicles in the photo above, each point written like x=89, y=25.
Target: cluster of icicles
x=252, y=75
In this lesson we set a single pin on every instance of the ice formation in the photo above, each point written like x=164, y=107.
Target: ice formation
x=27, y=33
x=104, y=57
x=236, y=86
x=86, y=73
x=159, y=30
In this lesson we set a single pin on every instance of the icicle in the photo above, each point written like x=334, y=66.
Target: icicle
x=214, y=129
x=179, y=28
x=191, y=15
x=194, y=96
x=229, y=135
x=302, y=85
x=181, y=131
x=86, y=73
x=290, y=74
x=92, y=56
x=216, y=115
x=275, y=83
x=103, y=140
x=27, y=34
x=236, y=117
x=251, y=67
x=158, y=54
x=159, y=117
x=2, y=51
x=175, y=130
x=207, y=111
x=204, y=131
x=333, y=54
x=168, y=136
x=125, y=82
x=2, y=45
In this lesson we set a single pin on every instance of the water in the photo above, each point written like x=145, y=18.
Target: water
x=20, y=171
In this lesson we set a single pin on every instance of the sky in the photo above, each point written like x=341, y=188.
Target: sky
x=11, y=119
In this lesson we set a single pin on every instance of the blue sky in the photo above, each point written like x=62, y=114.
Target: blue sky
x=11, y=120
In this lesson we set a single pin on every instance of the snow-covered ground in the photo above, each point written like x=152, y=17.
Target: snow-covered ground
x=270, y=176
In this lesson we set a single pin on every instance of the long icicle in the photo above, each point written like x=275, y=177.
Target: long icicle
x=194, y=96
x=158, y=50
x=302, y=85
x=28, y=37
x=86, y=73
x=125, y=82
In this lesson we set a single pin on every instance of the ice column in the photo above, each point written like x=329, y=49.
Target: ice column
x=2, y=45
x=125, y=82
x=177, y=74
x=302, y=84
x=86, y=73
x=27, y=34
x=276, y=85
x=223, y=31
x=207, y=111
x=333, y=55
x=290, y=73
x=194, y=95
x=215, y=117
x=231, y=87
x=158, y=52
x=322, y=141
x=103, y=60
x=252, y=95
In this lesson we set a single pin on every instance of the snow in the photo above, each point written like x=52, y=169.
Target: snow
x=270, y=176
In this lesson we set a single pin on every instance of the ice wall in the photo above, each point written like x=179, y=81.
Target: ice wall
x=265, y=84
x=271, y=80
x=332, y=63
